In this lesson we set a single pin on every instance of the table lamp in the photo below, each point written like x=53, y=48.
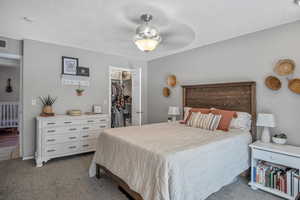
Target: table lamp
x=173, y=111
x=266, y=121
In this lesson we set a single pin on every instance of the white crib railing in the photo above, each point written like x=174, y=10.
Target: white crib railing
x=9, y=114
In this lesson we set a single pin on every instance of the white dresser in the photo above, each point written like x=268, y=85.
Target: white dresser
x=65, y=135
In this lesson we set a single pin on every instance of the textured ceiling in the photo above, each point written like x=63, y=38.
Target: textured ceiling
x=108, y=25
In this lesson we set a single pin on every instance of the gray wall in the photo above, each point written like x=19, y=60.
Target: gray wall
x=13, y=46
x=247, y=58
x=41, y=75
x=14, y=74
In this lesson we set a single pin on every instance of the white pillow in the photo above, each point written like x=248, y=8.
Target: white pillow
x=243, y=121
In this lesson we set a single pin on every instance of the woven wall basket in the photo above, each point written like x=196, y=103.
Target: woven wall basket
x=166, y=92
x=285, y=67
x=172, y=80
x=294, y=85
x=273, y=83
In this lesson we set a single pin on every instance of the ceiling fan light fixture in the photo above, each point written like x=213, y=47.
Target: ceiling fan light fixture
x=146, y=45
x=147, y=37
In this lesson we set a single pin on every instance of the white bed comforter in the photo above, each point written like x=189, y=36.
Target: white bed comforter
x=171, y=161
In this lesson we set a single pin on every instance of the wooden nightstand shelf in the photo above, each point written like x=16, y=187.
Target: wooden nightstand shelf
x=284, y=155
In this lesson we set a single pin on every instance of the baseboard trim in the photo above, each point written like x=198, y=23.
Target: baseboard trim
x=28, y=157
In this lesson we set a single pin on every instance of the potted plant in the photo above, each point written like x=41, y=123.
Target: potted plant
x=79, y=91
x=47, y=102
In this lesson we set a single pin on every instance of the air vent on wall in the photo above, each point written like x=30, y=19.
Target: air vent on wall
x=2, y=44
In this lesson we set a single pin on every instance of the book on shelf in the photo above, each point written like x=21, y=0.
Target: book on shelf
x=277, y=177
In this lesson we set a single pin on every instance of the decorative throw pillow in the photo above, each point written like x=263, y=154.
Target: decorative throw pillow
x=227, y=116
x=204, y=121
x=186, y=112
x=202, y=110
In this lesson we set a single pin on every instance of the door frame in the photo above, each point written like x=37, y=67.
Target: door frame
x=21, y=121
x=113, y=68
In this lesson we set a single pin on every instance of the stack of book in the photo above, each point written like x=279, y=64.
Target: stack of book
x=277, y=177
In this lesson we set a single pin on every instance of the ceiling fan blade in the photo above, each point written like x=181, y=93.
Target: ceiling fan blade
x=176, y=36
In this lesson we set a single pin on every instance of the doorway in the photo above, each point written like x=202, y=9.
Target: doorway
x=10, y=107
x=125, y=97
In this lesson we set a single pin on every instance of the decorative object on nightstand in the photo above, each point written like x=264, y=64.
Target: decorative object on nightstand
x=266, y=121
x=47, y=102
x=173, y=112
x=275, y=169
x=279, y=138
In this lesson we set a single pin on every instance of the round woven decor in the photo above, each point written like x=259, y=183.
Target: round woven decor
x=294, y=85
x=172, y=81
x=166, y=92
x=273, y=83
x=285, y=67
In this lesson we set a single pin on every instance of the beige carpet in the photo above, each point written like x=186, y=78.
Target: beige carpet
x=67, y=179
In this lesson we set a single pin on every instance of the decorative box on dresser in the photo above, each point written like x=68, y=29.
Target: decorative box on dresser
x=282, y=155
x=65, y=135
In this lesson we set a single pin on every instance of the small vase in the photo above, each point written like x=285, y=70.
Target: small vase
x=47, y=109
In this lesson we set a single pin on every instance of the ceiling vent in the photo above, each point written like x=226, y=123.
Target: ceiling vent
x=2, y=44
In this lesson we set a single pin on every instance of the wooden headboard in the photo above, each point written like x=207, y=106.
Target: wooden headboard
x=238, y=96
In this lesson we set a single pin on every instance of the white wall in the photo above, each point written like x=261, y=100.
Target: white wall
x=247, y=58
x=41, y=75
x=14, y=74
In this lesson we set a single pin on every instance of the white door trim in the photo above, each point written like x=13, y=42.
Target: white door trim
x=20, y=58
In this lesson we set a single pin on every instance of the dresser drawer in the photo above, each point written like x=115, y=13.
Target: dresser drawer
x=88, y=145
x=89, y=135
x=59, y=130
x=53, y=123
x=276, y=158
x=93, y=127
x=95, y=120
x=58, y=149
x=61, y=138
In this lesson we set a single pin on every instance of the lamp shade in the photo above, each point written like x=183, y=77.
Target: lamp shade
x=266, y=120
x=173, y=110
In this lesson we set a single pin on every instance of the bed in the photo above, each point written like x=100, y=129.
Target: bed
x=170, y=161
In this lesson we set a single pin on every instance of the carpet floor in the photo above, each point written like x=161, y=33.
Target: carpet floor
x=67, y=179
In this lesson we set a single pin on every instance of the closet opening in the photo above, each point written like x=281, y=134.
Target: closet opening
x=10, y=109
x=125, y=97
x=121, y=99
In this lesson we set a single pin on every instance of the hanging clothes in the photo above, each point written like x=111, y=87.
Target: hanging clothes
x=121, y=103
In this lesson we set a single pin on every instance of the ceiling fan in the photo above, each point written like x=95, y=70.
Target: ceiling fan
x=148, y=36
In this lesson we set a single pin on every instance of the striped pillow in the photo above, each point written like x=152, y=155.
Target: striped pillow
x=204, y=121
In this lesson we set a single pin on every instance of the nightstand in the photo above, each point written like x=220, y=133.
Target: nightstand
x=279, y=155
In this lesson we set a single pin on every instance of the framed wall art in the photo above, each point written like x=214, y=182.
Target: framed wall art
x=69, y=65
x=83, y=71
